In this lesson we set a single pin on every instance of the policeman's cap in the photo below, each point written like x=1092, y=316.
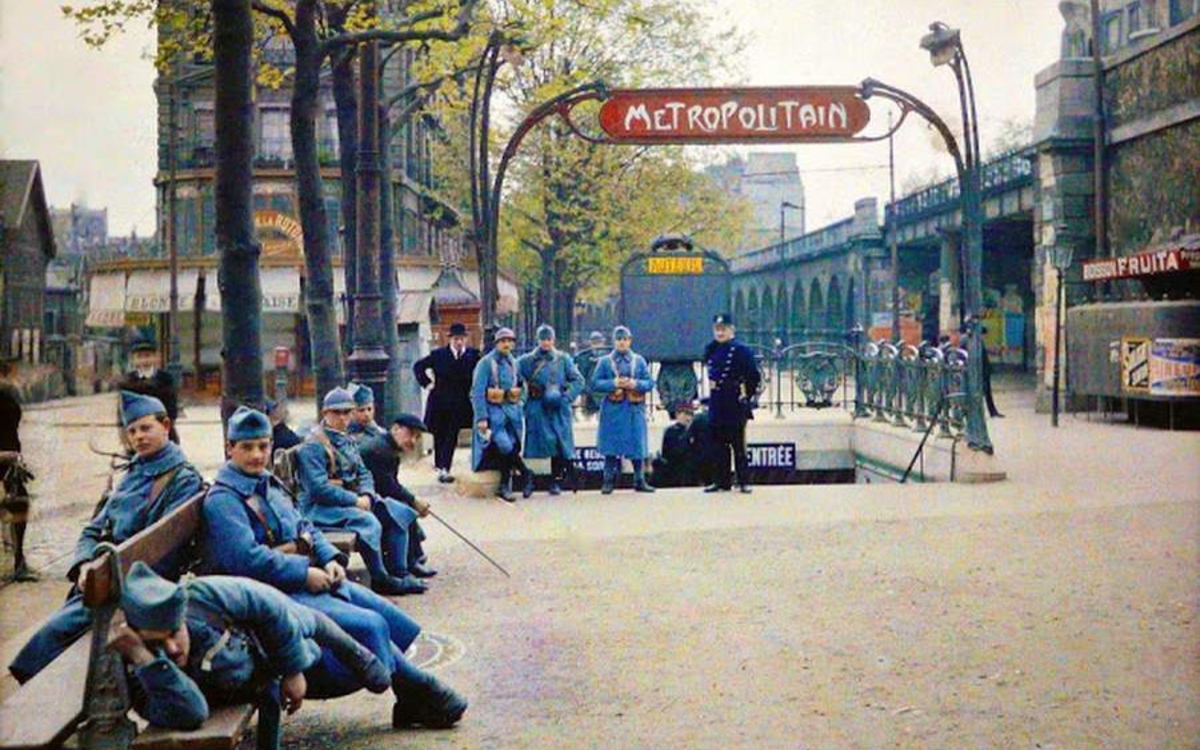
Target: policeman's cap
x=722, y=319
x=143, y=343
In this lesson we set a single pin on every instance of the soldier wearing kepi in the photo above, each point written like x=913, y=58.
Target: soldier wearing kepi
x=252, y=530
x=623, y=379
x=157, y=480
x=586, y=360
x=448, y=408
x=337, y=491
x=362, y=424
x=735, y=379
x=552, y=383
x=188, y=644
x=496, y=403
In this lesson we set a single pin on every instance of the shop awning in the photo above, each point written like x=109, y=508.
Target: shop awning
x=280, y=291
x=106, y=300
x=149, y=291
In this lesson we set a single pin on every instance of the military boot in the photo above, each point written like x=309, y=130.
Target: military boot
x=369, y=670
x=421, y=699
x=527, y=490
x=393, y=586
x=504, y=490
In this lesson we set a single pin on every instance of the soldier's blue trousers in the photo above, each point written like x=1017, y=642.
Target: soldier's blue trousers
x=64, y=628
x=369, y=619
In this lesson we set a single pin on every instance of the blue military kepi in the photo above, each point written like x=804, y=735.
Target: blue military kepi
x=151, y=602
x=545, y=332
x=363, y=395
x=411, y=421
x=134, y=406
x=248, y=424
x=504, y=333
x=621, y=332
x=722, y=319
x=339, y=399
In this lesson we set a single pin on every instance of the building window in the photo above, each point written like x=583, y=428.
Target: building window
x=276, y=143
x=1134, y=13
x=1182, y=10
x=1112, y=32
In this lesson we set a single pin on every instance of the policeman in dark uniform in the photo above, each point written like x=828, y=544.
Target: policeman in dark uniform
x=734, y=377
x=147, y=377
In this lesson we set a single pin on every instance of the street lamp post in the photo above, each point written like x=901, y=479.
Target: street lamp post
x=944, y=45
x=1061, y=252
x=783, y=206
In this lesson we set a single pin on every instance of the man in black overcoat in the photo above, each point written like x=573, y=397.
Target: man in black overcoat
x=448, y=407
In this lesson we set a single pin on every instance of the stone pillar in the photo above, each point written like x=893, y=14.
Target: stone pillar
x=1063, y=194
x=949, y=273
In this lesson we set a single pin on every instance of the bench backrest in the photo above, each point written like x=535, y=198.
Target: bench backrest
x=150, y=545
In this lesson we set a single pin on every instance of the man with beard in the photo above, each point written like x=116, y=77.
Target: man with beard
x=148, y=378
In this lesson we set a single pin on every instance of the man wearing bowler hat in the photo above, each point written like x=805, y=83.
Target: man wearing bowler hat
x=448, y=407
x=734, y=378
x=147, y=377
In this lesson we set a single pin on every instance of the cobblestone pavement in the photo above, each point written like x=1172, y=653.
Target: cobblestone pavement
x=1057, y=609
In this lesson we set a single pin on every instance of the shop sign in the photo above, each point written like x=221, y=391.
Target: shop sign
x=1143, y=264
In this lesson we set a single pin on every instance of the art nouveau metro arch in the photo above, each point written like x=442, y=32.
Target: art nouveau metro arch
x=798, y=114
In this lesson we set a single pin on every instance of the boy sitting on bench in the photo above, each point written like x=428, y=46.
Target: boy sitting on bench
x=157, y=480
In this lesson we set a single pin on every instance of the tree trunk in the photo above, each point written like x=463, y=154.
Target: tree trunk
x=387, y=270
x=238, y=280
x=545, y=309
x=346, y=102
x=566, y=329
x=318, y=260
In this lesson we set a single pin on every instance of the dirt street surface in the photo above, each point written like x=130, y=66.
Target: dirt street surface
x=1055, y=610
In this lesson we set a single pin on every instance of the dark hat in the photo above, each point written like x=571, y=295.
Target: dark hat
x=722, y=319
x=411, y=421
x=688, y=406
x=151, y=602
x=248, y=424
x=458, y=329
x=134, y=406
x=143, y=343
x=545, y=332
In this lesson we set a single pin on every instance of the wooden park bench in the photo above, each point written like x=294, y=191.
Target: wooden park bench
x=83, y=691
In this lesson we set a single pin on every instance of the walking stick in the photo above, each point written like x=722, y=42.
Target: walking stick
x=470, y=544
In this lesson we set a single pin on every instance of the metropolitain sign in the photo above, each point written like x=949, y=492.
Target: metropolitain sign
x=734, y=115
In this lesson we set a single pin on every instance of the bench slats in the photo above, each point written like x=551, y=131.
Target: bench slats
x=225, y=726
x=45, y=710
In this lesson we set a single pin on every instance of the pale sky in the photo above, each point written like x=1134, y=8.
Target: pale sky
x=88, y=116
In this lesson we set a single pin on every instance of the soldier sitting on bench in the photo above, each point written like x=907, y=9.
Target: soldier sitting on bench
x=158, y=478
x=337, y=491
x=223, y=641
x=252, y=530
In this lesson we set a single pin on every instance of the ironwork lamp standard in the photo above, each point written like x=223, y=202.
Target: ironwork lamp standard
x=1060, y=257
x=783, y=207
x=944, y=45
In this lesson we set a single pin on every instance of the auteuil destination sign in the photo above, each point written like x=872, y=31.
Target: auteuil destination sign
x=734, y=115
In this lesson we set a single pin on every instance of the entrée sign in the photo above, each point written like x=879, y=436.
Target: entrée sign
x=734, y=115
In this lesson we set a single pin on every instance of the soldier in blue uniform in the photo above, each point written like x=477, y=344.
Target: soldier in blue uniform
x=552, y=383
x=252, y=530
x=586, y=361
x=734, y=378
x=623, y=379
x=157, y=480
x=337, y=491
x=496, y=403
x=362, y=424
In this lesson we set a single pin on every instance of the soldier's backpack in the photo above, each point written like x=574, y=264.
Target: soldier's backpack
x=287, y=462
